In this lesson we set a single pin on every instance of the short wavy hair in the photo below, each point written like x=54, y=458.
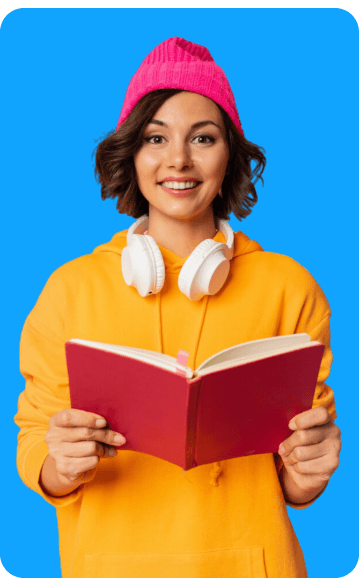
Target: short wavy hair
x=115, y=168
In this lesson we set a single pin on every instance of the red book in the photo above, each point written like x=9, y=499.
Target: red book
x=237, y=403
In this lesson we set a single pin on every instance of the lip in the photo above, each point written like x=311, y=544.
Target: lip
x=180, y=179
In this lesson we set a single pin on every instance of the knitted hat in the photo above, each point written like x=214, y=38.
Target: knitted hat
x=179, y=63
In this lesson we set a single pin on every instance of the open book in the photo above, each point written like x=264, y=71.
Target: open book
x=238, y=402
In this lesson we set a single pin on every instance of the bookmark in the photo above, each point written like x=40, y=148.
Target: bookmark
x=181, y=362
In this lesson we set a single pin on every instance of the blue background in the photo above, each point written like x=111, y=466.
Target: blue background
x=293, y=73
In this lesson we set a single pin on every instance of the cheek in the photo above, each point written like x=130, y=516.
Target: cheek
x=146, y=167
x=146, y=162
x=222, y=159
x=215, y=165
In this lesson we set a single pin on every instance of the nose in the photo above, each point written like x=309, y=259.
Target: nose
x=179, y=155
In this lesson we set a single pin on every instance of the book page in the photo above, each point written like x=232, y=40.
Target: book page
x=153, y=357
x=253, y=350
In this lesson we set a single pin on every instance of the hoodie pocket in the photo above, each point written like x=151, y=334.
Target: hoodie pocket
x=233, y=562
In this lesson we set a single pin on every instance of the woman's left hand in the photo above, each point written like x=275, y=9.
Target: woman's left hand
x=311, y=454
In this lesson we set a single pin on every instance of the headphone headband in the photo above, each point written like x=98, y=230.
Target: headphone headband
x=204, y=272
x=141, y=225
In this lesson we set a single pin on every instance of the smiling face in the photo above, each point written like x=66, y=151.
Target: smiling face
x=185, y=139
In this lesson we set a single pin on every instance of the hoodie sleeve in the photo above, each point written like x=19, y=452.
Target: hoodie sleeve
x=315, y=320
x=43, y=365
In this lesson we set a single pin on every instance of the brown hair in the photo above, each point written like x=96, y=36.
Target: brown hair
x=115, y=168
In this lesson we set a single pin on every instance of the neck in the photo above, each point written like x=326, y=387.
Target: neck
x=181, y=236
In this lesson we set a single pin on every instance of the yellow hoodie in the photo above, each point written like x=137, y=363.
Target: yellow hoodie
x=141, y=516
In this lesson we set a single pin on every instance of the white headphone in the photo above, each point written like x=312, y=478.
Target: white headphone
x=204, y=272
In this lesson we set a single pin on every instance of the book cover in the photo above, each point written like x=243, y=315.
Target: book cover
x=231, y=412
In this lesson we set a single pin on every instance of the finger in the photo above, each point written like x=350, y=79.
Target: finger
x=77, y=417
x=310, y=418
x=87, y=449
x=302, y=438
x=104, y=435
x=110, y=437
x=73, y=468
x=306, y=453
x=324, y=466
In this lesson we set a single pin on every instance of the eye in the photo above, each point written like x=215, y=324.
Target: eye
x=205, y=136
x=149, y=138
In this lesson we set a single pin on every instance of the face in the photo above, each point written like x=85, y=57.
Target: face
x=185, y=138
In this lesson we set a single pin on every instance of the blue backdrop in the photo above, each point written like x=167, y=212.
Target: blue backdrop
x=293, y=73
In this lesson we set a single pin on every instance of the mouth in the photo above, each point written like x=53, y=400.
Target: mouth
x=179, y=188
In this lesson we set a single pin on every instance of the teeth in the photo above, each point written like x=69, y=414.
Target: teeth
x=175, y=185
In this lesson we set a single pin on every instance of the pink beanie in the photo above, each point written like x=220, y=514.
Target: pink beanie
x=179, y=63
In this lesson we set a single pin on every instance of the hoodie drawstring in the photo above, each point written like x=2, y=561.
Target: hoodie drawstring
x=242, y=246
x=215, y=473
x=159, y=322
x=196, y=342
x=216, y=469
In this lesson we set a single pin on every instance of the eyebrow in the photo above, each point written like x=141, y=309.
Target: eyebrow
x=195, y=125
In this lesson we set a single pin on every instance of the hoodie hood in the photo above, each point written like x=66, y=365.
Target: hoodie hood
x=242, y=246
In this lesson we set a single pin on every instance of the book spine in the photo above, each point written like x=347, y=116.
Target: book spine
x=193, y=393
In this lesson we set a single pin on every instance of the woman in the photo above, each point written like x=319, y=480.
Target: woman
x=136, y=515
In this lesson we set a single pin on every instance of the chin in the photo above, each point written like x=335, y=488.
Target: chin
x=181, y=214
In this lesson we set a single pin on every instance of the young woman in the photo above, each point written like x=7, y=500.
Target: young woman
x=178, y=279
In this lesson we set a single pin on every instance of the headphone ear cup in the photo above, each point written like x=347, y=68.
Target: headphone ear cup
x=142, y=265
x=158, y=263
x=191, y=267
x=205, y=271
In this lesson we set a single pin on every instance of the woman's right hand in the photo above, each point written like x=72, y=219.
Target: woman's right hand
x=76, y=441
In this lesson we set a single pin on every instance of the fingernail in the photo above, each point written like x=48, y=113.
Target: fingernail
x=100, y=422
x=119, y=439
x=281, y=451
x=292, y=425
x=112, y=452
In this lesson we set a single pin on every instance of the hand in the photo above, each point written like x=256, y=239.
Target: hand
x=311, y=454
x=77, y=440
